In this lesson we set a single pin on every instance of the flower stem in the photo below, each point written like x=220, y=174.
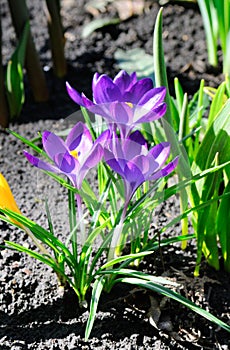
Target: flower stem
x=81, y=218
x=114, y=250
x=36, y=242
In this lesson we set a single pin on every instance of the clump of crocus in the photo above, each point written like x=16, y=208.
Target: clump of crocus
x=74, y=157
x=123, y=101
x=131, y=159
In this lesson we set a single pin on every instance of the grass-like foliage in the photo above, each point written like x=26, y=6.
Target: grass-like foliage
x=216, y=20
x=136, y=143
x=200, y=131
x=26, y=57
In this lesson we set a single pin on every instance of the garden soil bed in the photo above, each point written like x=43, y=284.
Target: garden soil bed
x=34, y=314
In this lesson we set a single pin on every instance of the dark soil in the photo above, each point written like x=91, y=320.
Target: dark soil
x=33, y=314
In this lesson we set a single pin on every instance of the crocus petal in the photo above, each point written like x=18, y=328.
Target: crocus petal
x=153, y=97
x=91, y=158
x=74, y=94
x=79, y=137
x=95, y=79
x=103, y=138
x=113, y=162
x=137, y=137
x=103, y=110
x=86, y=102
x=146, y=165
x=134, y=176
x=53, y=144
x=132, y=148
x=125, y=81
x=38, y=163
x=7, y=200
x=66, y=163
x=134, y=95
x=115, y=151
x=120, y=112
x=144, y=115
x=106, y=91
x=160, y=152
x=48, y=167
x=166, y=170
x=170, y=166
x=90, y=161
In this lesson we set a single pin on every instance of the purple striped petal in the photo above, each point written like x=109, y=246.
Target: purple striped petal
x=138, y=90
x=38, y=163
x=103, y=138
x=132, y=149
x=142, y=115
x=120, y=112
x=66, y=163
x=101, y=110
x=143, y=164
x=91, y=160
x=74, y=94
x=95, y=79
x=86, y=102
x=166, y=170
x=80, y=137
x=125, y=81
x=53, y=144
x=106, y=91
x=134, y=176
x=160, y=152
x=115, y=163
x=137, y=137
x=153, y=97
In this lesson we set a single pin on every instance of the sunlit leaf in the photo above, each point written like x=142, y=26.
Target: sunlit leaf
x=98, y=23
x=135, y=60
x=14, y=75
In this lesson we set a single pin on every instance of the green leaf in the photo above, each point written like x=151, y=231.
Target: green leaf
x=139, y=274
x=98, y=23
x=84, y=265
x=28, y=143
x=216, y=141
x=209, y=20
x=179, y=94
x=96, y=293
x=189, y=211
x=135, y=60
x=39, y=232
x=218, y=102
x=14, y=75
x=215, y=148
x=48, y=261
x=183, y=168
x=159, y=63
x=72, y=220
x=124, y=258
x=223, y=229
x=176, y=296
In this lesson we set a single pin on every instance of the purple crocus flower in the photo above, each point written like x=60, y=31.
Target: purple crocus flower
x=123, y=101
x=75, y=156
x=132, y=160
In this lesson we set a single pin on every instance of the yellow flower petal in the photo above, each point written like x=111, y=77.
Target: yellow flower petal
x=7, y=200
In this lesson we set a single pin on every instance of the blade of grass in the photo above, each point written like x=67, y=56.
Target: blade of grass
x=96, y=293
x=177, y=297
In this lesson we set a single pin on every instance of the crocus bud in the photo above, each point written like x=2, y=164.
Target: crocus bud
x=7, y=200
